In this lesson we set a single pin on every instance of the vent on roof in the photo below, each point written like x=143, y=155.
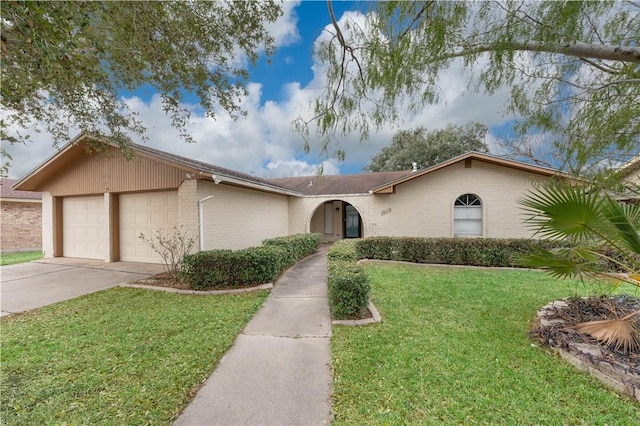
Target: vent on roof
x=415, y=167
x=310, y=183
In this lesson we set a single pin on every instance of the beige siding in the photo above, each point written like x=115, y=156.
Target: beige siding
x=97, y=174
x=237, y=218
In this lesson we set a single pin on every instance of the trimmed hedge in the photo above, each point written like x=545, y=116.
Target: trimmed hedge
x=348, y=285
x=297, y=246
x=451, y=251
x=215, y=269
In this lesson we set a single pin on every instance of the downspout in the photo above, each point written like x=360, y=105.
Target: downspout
x=201, y=219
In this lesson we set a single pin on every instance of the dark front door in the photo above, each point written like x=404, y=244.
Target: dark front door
x=351, y=222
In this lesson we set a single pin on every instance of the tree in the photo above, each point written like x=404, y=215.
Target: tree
x=603, y=235
x=571, y=68
x=428, y=148
x=66, y=64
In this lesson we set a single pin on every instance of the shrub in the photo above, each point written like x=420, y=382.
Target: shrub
x=348, y=290
x=227, y=269
x=172, y=246
x=348, y=285
x=452, y=251
x=251, y=266
x=343, y=250
x=297, y=246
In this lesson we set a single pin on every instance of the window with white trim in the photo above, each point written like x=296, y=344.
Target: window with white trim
x=467, y=216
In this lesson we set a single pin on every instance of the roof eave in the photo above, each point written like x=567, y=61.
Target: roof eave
x=389, y=187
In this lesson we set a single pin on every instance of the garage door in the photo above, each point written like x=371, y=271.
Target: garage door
x=83, y=227
x=145, y=213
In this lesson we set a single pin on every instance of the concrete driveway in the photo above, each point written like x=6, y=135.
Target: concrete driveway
x=34, y=284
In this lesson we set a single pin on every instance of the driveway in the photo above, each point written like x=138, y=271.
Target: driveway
x=34, y=284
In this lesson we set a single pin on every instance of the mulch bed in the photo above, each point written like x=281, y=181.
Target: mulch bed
x=578, y=310
x=162, y=280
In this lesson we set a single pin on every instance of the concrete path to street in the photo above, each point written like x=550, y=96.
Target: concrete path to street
x=278, y=370
x=31, y=285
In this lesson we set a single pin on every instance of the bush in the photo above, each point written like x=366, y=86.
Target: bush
x=451, y=251
x=216, y=269
x=348, y=285
x=343, y=250
x=297, y=246
x=348, y=290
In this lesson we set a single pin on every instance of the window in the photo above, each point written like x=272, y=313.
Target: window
x=467, y=216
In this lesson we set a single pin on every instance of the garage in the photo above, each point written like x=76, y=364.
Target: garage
x=145, y=213
x=83, y=227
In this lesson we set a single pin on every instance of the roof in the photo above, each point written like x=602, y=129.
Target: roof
x=631, y=166
x=218, y=172
x=389, y=187
x=339, y=184
x=201, y=169
x=364, y=183
x=7, y=191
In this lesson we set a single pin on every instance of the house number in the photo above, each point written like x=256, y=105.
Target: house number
x=384, y=212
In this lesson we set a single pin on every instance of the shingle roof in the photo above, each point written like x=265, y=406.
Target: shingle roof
x=208, y=168
x=339, y=184
x=7, y=191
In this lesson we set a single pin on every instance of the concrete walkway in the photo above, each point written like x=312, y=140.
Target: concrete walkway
x=278, y=370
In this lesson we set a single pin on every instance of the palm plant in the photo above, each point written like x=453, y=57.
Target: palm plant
x=603, y=240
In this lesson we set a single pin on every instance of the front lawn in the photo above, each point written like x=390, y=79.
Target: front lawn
x=454, y=349
x=19, y=257
x=121, y=356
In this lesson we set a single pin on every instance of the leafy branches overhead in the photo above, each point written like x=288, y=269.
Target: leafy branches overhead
x=64, y=64
x=572, y=68
x=427, y=148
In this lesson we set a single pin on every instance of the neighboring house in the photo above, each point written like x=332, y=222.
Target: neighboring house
x=21, y=220
x=96, y=206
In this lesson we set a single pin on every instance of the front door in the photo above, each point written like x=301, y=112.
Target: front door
x=352, y=222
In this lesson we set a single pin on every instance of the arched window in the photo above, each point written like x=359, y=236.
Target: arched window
x=467, y=216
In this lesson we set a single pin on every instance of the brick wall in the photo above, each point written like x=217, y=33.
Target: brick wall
x=21, y=226
x=237, y=218
x=424, y=207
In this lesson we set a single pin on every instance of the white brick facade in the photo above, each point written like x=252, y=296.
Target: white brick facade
x=237, y=218
x=242, y=210
x=423, y=207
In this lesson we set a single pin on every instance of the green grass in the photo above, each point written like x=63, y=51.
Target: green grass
x=122, y=356
x=20, y=257
x=453, y=348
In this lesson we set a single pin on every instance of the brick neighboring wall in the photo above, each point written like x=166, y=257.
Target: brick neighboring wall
x=21, y=226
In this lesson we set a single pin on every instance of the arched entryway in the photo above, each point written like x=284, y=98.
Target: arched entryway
x=335, y=220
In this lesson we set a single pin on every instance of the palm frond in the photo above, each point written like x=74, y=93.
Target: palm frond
x=617, y=334
x=571, y=262
x=562, y=211
x=626, y=220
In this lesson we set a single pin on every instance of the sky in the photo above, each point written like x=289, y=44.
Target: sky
x=263, y=143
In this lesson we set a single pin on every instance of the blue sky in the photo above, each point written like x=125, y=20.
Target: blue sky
x=263, y=143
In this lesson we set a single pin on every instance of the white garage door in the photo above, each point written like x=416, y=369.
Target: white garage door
x=145, y=213
x=83, y=227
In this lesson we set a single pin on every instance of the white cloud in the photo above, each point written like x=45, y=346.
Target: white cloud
x=285, y=29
